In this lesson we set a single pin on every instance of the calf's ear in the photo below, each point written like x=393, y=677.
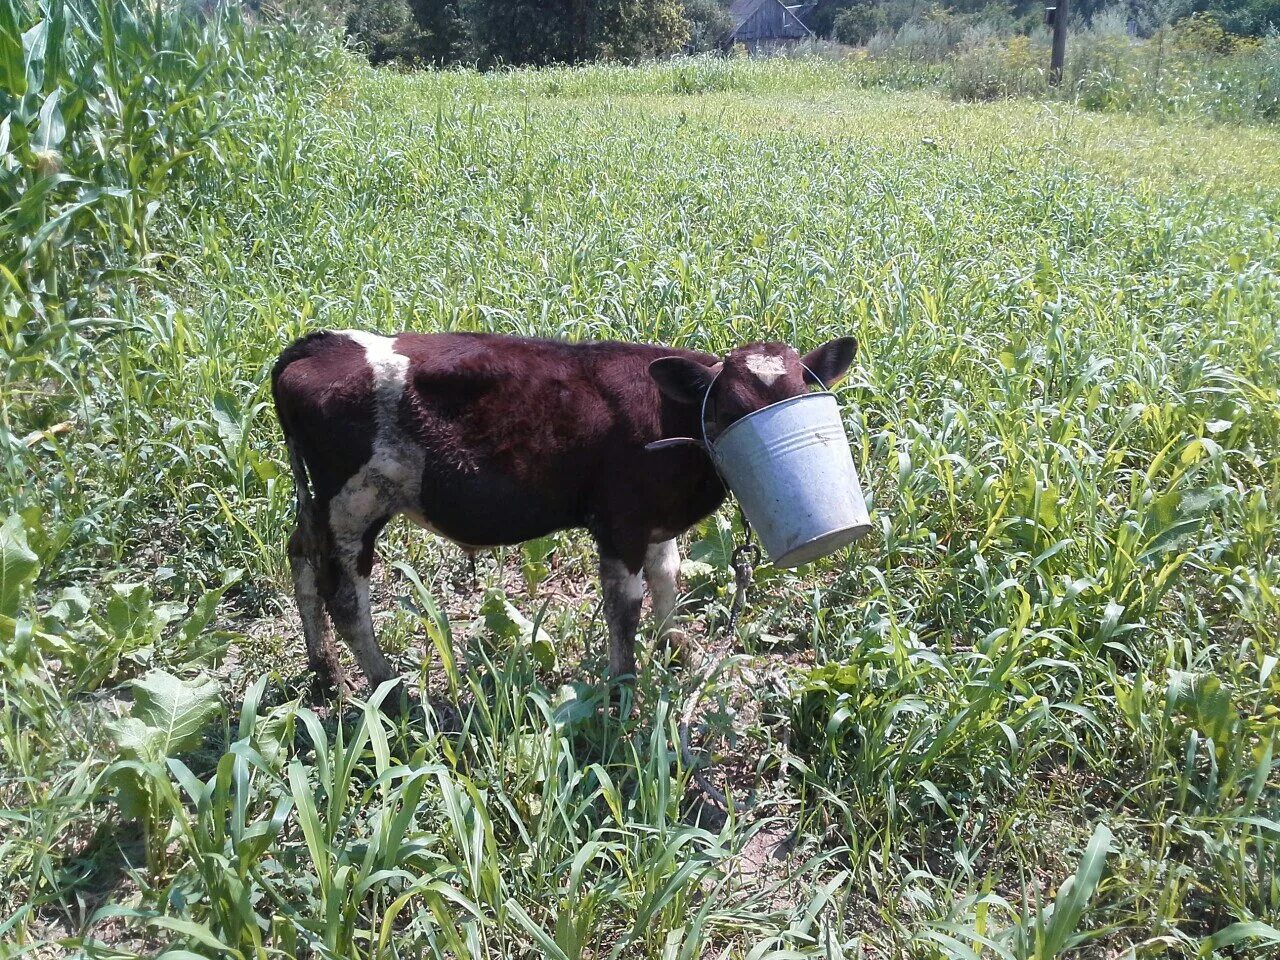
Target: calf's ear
x=829, y=362
x=683, y=379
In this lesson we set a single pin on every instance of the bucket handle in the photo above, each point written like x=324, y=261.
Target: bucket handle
x=705, y=442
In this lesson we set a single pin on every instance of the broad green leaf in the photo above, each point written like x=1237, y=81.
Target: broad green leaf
x=228, y=417
x=1204, y=702
x=135, y=739
x=177, y=709
x=194, y=931
x=18, y=565
x=13, y=75
x=1048, y=514
x=52, y=130
x=534, y=567
x=503, y=619
x=716, y=548
x=204, y=609
x=87, y=200
x=1255, y=930
x=33, y=47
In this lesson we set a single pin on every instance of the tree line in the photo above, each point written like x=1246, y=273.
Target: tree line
x=488, y=33
x=517, y=32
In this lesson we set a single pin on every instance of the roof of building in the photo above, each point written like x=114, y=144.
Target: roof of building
x=783, y=23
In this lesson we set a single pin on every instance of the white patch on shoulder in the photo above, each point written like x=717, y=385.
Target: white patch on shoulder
x=767, y=368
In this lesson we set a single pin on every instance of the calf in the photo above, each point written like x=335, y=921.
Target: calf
x=489, y=440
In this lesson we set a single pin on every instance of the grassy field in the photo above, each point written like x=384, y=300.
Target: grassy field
x=1032, y=715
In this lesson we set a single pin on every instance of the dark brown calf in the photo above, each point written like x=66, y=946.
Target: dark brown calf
x=490, y=440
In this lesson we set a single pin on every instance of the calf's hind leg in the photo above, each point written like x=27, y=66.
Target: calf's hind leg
x=348, y=600
x=308, y=562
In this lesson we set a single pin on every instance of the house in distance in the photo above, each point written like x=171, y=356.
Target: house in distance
x=765, y=26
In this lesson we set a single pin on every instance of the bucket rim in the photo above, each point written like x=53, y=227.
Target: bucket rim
x=714, y=445
x=798, y=555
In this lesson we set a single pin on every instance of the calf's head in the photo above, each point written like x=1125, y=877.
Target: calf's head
x=751, y=377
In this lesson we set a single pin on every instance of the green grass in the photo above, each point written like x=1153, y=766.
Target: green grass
x=1053, y=658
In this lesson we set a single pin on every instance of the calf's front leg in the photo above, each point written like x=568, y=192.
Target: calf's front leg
x=662, y=572
x=623, y=588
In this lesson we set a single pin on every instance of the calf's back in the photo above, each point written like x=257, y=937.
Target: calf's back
x=494, y=440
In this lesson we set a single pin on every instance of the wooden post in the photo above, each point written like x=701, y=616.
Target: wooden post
x=1059, y=54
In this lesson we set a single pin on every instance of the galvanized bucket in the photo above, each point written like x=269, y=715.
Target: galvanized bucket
x=790, y=467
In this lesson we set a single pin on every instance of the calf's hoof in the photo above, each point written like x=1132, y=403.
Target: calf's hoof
x=622, y=695
x=397, y=701
x=329, y=682
x=676, y=645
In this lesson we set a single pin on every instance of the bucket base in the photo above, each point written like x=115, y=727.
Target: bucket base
x=818, y=547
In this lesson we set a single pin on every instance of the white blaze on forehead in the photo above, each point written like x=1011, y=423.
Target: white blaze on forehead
x=767, y=368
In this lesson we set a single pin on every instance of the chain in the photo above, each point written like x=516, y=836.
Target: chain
x=744, y=559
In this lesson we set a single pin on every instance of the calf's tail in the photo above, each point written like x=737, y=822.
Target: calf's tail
x=301, y=484
x=297, y=465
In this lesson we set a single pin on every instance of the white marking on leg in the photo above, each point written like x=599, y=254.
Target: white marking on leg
x=767, y=368
x=623, y=594
x=662, y=571
x=310, y=605
x=353, y=618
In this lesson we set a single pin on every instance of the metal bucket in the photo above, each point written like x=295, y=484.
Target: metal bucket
x=790, y=467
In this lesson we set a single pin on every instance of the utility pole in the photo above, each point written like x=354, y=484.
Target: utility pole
x=1060, y=13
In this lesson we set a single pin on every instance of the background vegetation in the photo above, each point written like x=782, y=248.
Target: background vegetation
x=514, y=32
x=1167, y=57
x=1033, y=715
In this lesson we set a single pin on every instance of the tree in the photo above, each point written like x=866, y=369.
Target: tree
x=446, y=37
x=540, y=32
x=429, y=32
x=709, y=23
x=633, y=29
x=1250, y=18
x=857, y=24
x=385, y=28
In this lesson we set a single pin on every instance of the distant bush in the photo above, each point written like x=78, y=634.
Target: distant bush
x=1194, y=67
x=1202, y=33
x=926, y=41
x=385, y=29
x=538, y=33
x=997, y=70
x=709, y=24
x=858, y=24
x=1181, y=71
